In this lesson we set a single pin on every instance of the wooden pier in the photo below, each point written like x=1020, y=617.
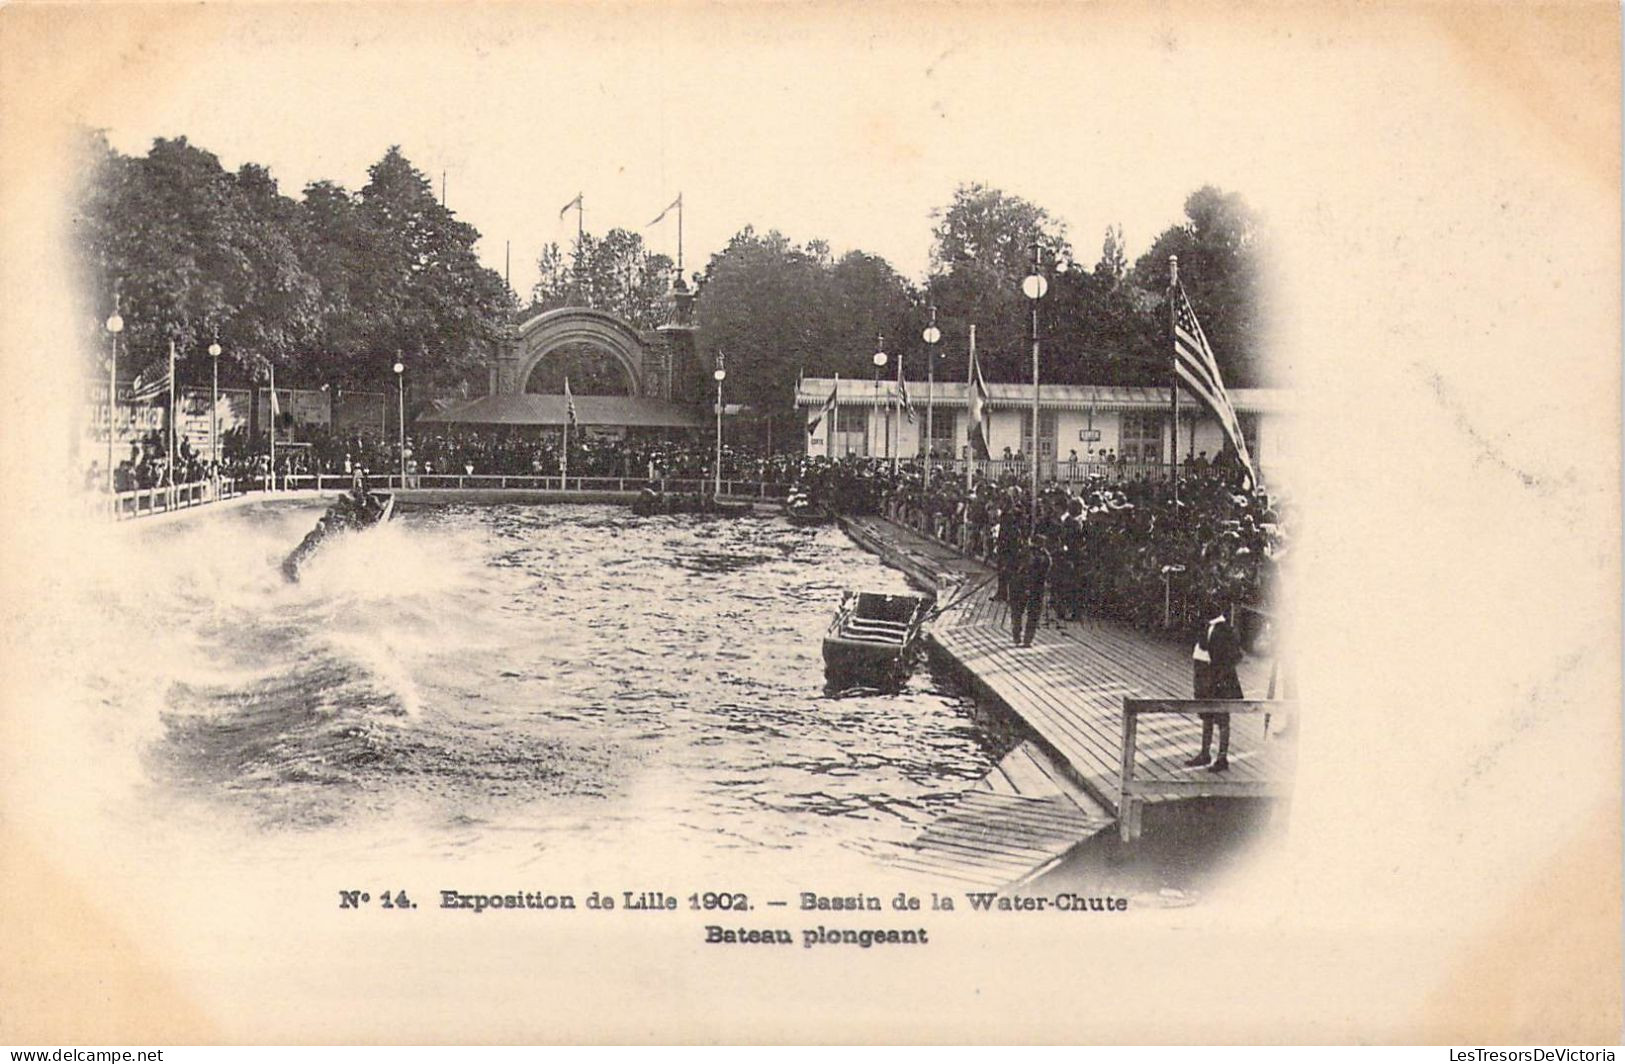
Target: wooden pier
x=1080, y=689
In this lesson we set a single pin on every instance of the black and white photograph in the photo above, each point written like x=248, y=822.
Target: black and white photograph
x=804, y=523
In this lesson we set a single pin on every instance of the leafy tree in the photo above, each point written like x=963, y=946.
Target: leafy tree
x=780, y=311
x=617, y=274
x=981, y=249
x=1219, y=249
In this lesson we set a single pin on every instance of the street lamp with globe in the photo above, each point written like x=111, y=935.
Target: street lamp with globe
x=880, y=364
x=115, y=325
x=719, y=375
x=214, y=420
x=1034, y=286
x=932, y=336
x=400, y=417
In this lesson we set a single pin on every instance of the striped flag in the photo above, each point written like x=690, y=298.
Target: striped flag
x=976, y=433
x=569, y=403
x=1194, y=362
x=827, y=410
x=153, y=381
x=902, y=392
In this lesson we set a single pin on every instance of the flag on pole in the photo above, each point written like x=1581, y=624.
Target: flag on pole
x=902, y=394
x=155, y=380
x=572, y=205
x=676, y=204
x=827, y=410
x=569, y=403
x=1196, y=366
x=977, y=431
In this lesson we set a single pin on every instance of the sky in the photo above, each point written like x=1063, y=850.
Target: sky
x=850, y=129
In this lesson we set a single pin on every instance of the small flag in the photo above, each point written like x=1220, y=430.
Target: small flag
x=676, y=204
x=276, y=407
x=569, y=403
x=827, y=410
x=153, y=381
x=1194, y=362
x=902, y=392
x=572, y=205
x=977, y=432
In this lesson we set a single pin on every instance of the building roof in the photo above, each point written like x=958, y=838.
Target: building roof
x=1101, y=397
x=528, y=409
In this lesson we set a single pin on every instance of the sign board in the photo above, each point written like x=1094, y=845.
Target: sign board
x=1089, y=435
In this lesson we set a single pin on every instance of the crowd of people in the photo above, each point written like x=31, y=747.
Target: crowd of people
x=1153, y=553
x=1139, y=549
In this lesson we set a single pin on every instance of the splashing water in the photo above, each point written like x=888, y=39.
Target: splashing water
x=573, y=681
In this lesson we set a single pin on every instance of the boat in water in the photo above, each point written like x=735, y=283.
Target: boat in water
x=353, y=512
x=874, y=639
x=651, y=503
x=800, y=509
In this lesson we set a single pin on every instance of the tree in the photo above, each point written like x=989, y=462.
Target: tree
x=781, y=311
x=981, y=250
x=617, y=274
x=1219, y=249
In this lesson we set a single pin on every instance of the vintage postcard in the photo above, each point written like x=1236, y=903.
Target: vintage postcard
x=745, y=522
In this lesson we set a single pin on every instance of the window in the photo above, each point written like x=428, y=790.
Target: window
x=1141, y=437
x=943, y=426
x=851, y=431
x=1046, y=433
x=851, y=419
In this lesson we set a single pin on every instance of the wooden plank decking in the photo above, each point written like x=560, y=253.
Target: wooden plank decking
x=1070, y=685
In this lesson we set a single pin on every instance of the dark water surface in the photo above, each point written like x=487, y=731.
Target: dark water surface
x=557, y=683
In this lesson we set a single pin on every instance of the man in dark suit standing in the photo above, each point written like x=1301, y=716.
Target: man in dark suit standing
x=1027, y=581
x=1214, y=660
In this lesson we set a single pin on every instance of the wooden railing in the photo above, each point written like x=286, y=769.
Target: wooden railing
x=739, y=489
x=144, y=502
x=1131, y=792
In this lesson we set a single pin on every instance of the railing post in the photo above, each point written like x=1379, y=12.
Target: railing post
x=1128, y=806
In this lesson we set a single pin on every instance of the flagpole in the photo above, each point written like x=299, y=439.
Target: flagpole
x=1173, y=386
x=173, y=440
x=564, y=460
x=581, y=241
x=679, y=236
x=897, y=405
x=970, y=389
x=273, y=426
x=834, y=415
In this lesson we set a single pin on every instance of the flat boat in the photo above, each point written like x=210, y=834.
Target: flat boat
x=873, y=639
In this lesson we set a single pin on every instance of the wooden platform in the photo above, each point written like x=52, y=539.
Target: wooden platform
x=1068, y=688
x=1000, y=840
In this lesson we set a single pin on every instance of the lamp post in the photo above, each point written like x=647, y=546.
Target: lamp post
x=115, y=325
x=400, y=419
x=1033, y=286
x=880, y=364
x=932, y=335
x=214, y=420
x=719, y=375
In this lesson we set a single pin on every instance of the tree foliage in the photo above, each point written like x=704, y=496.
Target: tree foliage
x=328, y=288
x=616, y=274
x=780, y=311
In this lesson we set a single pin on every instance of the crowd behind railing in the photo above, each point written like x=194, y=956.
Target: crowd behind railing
x=1154, y=552
x=1149, y=545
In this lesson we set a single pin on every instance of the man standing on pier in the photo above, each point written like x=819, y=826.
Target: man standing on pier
x=1027, y=582
x=1214, y=661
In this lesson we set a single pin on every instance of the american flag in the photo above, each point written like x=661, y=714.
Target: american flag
x=1194, y=362
x=569, y=403
x=151, y=382
x=902, y=397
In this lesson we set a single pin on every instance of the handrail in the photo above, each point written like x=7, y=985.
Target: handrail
x=163, y=498
x=1130, y=792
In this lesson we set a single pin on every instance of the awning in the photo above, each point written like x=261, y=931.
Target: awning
x=608, y=410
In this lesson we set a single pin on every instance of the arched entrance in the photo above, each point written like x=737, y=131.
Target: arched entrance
x=548, y=344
